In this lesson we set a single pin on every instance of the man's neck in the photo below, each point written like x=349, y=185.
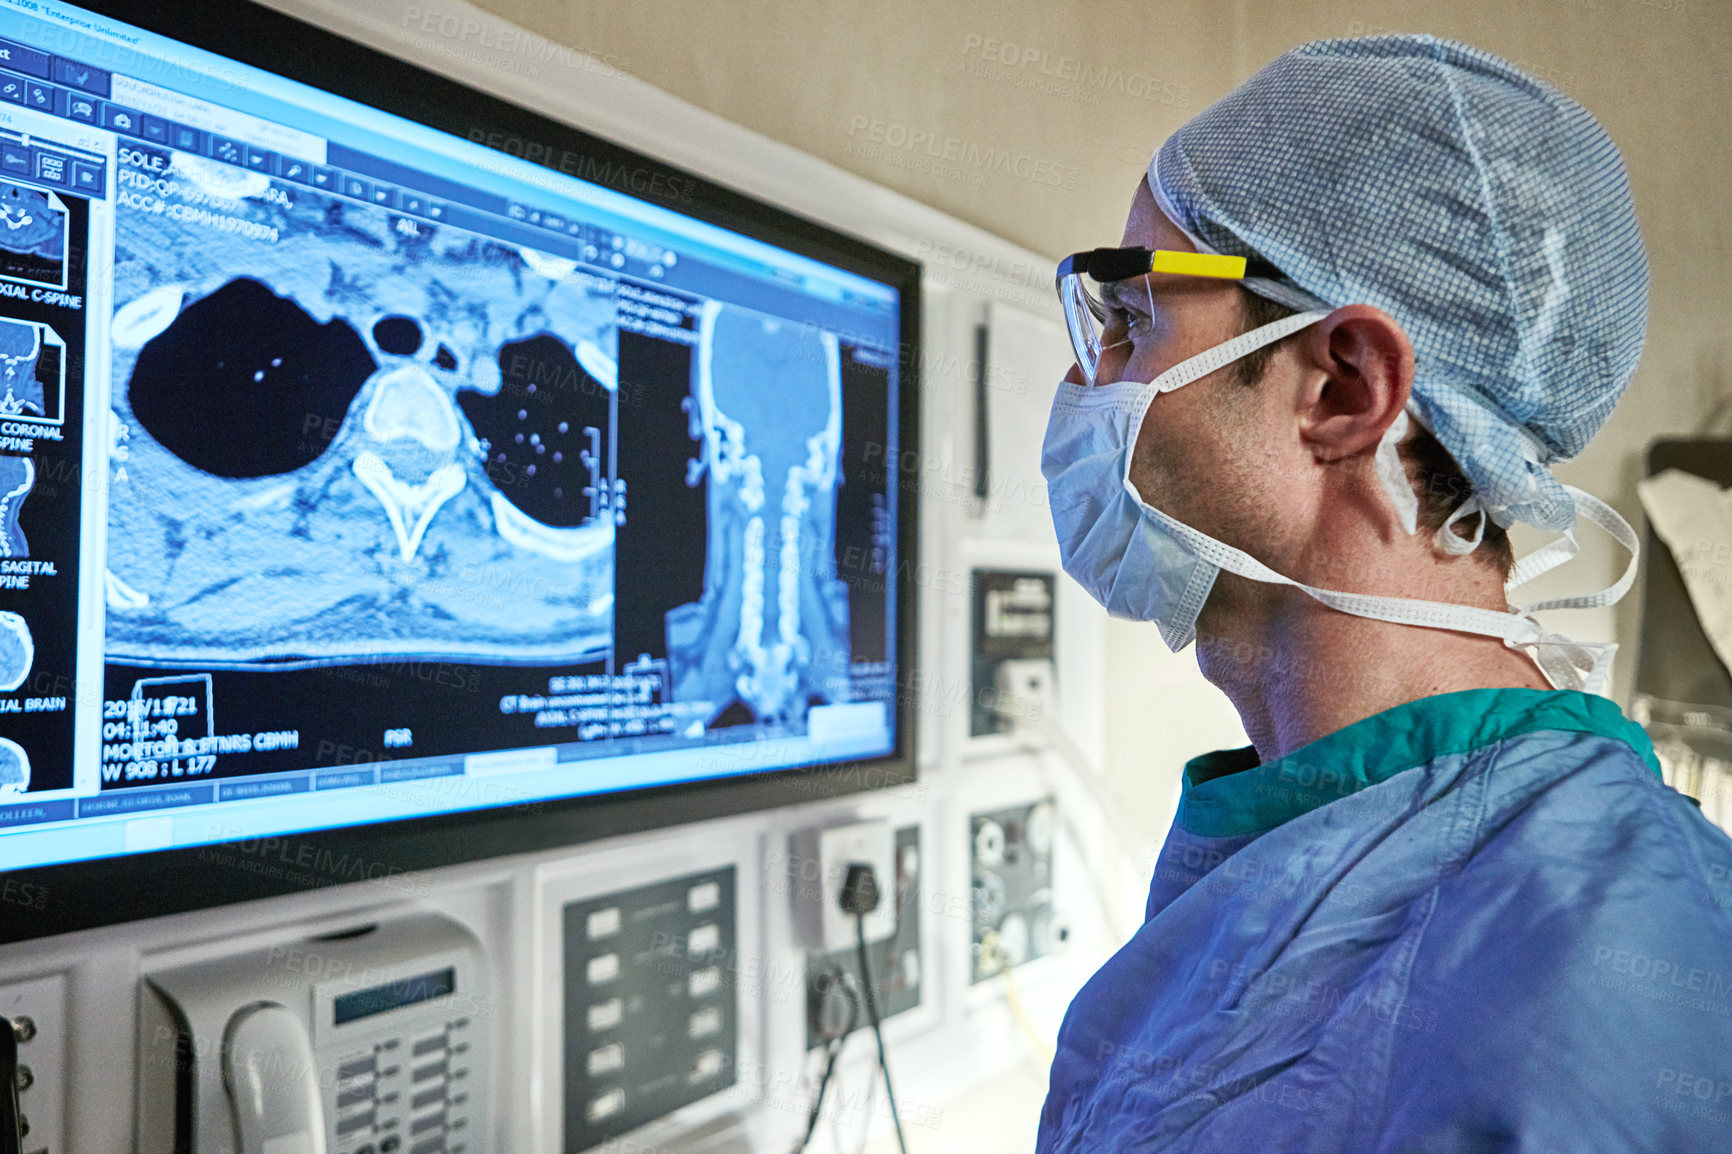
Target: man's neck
x=1296, y=670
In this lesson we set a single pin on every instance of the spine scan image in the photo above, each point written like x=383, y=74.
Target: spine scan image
x=20, y=390
x=17, y=478
x=769, y=637
x=32, y=235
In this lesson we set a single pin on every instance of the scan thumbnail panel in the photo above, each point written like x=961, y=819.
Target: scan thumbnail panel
x=43, y=273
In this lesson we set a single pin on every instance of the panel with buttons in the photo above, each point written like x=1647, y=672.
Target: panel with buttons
x=650, y=1013
x=406, y=1091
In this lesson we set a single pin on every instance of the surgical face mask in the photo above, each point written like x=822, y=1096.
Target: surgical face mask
x=1143, y=565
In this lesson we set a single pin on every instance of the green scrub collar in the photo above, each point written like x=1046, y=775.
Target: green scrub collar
x=1228, y=793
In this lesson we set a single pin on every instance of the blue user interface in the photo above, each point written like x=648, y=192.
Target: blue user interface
x=353, y=471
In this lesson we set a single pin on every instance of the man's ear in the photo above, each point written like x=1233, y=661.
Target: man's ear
x=1358, y=375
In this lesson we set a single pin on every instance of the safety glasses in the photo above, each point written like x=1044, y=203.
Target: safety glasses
x=1086, y=317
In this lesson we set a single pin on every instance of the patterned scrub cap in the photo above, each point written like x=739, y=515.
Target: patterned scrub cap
x=1485, y=211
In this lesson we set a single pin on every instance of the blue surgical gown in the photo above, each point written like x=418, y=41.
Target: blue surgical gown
x=1475, y=922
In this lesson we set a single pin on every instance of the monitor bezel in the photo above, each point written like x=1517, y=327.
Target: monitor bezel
x=61, y=898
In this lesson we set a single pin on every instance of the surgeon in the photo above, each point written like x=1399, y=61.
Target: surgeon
x=1443, y=902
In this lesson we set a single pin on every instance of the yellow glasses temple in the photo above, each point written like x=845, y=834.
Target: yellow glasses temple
x=1198, y=264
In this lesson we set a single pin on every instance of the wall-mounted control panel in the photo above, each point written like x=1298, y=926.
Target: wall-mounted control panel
x=1012, y=886
x=1011, y=662
x=651, y=1021
x=369, y=1041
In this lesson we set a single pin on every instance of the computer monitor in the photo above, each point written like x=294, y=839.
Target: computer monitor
x=392, y=476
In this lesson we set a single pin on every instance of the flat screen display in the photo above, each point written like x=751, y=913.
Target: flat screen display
x=354, y=471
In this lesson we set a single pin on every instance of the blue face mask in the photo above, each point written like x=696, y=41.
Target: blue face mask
x=1115, y=546
x=1143, y=565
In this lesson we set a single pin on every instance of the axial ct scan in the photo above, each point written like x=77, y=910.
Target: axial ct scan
x=317, y=457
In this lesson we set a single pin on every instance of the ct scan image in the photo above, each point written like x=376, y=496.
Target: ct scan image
x=17, y=651
x=17, y=478
x=769, y=636
x=339, y=432
x=32, y=371
x=32, y=235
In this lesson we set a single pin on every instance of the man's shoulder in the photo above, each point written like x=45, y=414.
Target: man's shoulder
x=1587, y=874
x=1578, y=858
x=1580, y=958
x=1584, y=817
x=1548, y=773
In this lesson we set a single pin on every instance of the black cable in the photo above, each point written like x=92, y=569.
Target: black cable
x=833, y=1049
x=877, y=1029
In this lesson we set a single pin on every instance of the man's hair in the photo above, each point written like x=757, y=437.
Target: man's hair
x=1437, y=480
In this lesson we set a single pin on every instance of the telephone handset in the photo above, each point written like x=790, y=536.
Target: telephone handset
x=273, y=1087
x=355, y=1040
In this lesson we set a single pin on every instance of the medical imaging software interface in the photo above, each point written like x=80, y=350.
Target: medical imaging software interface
x=352, y=471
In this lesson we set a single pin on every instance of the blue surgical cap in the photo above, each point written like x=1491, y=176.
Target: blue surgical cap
x=1488, y=213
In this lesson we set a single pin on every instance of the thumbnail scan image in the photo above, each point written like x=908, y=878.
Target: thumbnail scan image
x=17, y=478
x=339, y=432
x=14, y=768
x=32, y=235
x=21, y=391
x=17, y=651
x=771, y=629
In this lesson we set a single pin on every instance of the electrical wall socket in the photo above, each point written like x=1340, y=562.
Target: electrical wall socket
x=1026, y=688
x=41, y=1052
x=821, y=861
